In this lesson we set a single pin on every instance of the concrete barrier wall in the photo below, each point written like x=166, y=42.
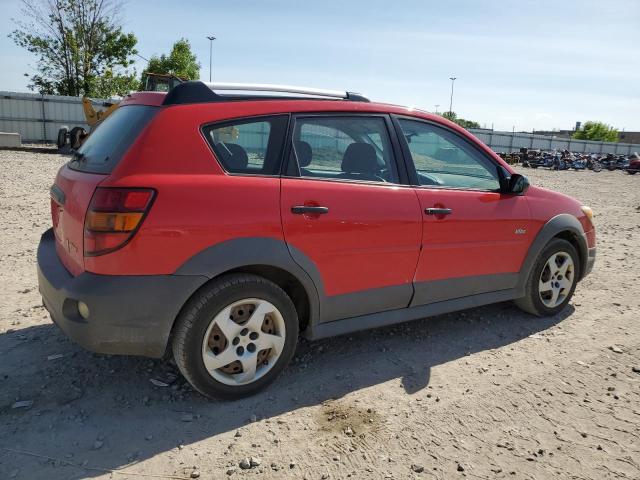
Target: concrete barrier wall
x=10, y=139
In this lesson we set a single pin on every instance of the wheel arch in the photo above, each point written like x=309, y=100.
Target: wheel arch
x=269, y=258
x=564, y=226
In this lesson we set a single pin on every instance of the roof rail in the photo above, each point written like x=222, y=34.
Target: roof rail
x=198, y=92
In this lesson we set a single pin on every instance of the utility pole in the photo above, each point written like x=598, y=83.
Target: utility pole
x=453, y=79
x=211, y=39
x=437, y=105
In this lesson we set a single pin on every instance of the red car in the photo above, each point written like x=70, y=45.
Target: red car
x=224, y=224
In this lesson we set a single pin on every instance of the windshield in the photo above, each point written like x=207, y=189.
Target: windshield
x=106, y=145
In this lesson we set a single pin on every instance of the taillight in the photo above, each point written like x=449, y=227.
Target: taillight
x=113, y=217
x=55, y=213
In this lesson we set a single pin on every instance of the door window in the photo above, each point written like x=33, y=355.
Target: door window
x=344, y=148
x=441, y=158
x=251, y=146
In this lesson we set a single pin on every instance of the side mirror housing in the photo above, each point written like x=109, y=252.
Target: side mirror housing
x=517, y=185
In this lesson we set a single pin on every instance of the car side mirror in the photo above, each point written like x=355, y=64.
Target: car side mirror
x=518, y=184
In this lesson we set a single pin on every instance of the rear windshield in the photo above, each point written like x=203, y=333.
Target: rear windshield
x=109, y=141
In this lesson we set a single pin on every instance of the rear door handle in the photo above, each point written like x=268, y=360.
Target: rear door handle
x=306, y=209
x=438, y=211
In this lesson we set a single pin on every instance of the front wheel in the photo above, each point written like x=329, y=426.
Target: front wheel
x=552, y=281
x=235, y=336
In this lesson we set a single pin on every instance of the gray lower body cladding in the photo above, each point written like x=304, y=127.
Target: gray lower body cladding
x=130, y=315
x=135, y=314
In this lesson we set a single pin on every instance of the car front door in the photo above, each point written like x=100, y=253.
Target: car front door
x=346, y=218
x=475, y=238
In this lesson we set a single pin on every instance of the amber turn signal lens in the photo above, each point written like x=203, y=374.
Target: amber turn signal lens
x=587, y=211
x=113, y=217
x=113, y=221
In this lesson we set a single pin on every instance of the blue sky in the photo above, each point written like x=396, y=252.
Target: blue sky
x=526, y=64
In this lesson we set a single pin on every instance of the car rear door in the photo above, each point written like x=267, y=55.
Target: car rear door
x=475, y=238
x=346, y=218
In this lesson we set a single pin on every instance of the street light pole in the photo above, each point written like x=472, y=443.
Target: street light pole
x=453, y=79
x=211, y=39
x=437, y=105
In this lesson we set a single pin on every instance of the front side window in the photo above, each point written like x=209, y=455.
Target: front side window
x=344, y=148
x=249, y=146
x=441, y=158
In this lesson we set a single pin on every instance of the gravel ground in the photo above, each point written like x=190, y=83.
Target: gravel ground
x=487, y=393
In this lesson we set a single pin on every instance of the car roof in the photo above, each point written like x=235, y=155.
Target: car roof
x=293, y=104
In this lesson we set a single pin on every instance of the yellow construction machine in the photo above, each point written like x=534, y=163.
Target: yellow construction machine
x=153, y=82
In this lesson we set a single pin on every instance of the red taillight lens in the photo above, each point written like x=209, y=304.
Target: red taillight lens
x=113, y=217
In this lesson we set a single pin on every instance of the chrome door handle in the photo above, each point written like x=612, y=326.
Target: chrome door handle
x=438, y=211
x=307, y=209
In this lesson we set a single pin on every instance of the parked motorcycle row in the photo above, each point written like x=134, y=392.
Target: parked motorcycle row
x=566, y=160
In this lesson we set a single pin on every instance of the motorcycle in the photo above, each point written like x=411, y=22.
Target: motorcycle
x=593, y=163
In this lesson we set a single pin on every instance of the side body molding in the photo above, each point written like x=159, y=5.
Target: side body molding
x=560, y=223
x=242, y=252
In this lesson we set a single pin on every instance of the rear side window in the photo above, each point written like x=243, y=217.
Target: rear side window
x=110, y=140
x=249, y=146
x=344, y=148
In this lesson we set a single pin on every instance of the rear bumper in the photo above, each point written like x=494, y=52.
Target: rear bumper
x=128, y=314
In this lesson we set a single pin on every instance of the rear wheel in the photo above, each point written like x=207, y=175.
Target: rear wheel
x=62, y=137
x=631, y=172
x=75, y=137
x=235, y=336
x=552, y=281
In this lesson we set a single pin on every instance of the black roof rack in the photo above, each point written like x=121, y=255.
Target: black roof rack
x=201, y=92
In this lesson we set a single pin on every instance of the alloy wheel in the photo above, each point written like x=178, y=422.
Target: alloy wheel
x=243, y=341
x=556, y=279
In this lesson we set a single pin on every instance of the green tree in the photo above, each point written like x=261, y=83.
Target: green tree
x=79, y=44
x=108, y=84
x=460, y=121
x=181, y=62
x=597, y=131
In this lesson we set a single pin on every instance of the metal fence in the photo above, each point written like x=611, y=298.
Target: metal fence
x=513, y=142
x=37, y=118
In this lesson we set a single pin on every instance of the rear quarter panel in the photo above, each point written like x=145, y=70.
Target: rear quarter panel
x=197, y=205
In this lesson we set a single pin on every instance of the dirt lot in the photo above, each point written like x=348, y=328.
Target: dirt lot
x=488, y=393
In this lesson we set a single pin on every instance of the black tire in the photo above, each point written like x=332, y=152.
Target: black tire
x=199, y=312
x=531, y=302
x=76, y=137
x=62, y=137
x=631, y=172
